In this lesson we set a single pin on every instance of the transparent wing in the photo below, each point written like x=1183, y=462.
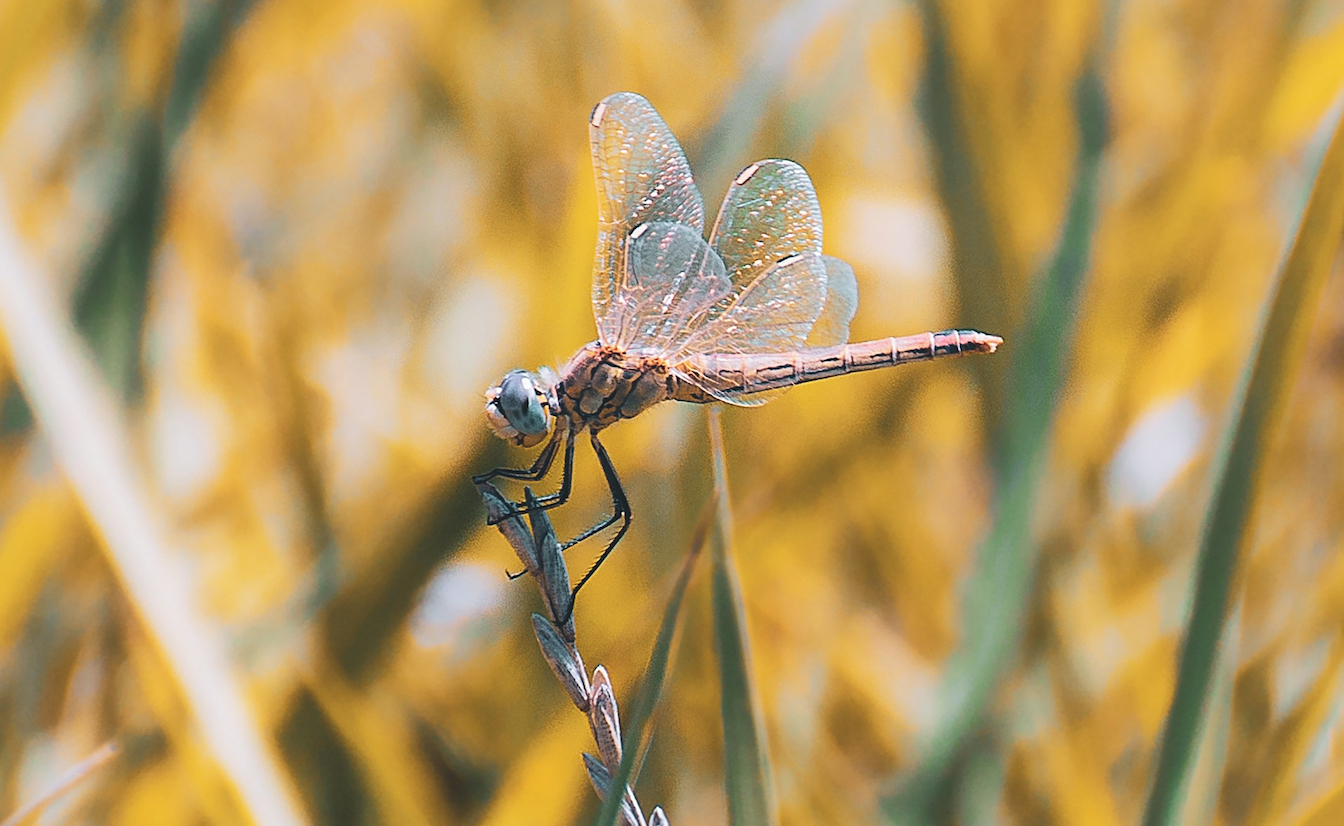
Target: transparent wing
x=671, y=279
x=784, y=313
x=842, y=301
x=774, y=314
x=720, y=389
x=785, y=296
x=642, y=176
x=770, y=213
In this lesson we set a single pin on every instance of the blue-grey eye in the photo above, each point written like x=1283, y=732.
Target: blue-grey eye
x=520, y=404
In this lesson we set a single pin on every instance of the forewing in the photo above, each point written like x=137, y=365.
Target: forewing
x=842, y=301
x=770, y=213
x=642, y=176
x=671, y=280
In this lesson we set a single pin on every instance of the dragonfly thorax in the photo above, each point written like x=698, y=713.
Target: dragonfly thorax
x=522, y=408
x=602, y=385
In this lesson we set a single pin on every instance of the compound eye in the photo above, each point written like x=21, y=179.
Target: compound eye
x=520, y=404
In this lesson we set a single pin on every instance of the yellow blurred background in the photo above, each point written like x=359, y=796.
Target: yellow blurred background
x=299, y=239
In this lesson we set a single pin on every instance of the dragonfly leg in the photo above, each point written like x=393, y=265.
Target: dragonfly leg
x=620, y=510
x=539, y=469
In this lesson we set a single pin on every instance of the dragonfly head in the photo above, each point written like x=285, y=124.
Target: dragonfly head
x=521, y=407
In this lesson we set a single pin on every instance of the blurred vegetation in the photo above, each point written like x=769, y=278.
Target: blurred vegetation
x=300, y=239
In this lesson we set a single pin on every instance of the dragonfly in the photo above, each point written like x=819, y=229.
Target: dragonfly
x=739, y=317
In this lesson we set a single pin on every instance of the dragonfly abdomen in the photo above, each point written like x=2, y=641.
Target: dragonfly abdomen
x=887, y=352
x=743, y=374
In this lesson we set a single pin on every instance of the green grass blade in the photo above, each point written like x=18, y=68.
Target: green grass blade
x=113, y=297
x=1206, y=777
x=976, y=250
x=646, y=700
x=745, y=756
x=1257, y=407
x=368, y=611
x=998, y=592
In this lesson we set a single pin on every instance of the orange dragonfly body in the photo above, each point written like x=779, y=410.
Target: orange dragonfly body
x=738, y=318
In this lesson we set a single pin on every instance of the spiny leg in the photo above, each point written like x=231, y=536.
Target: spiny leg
x=620, y=510
x=539, y=468
x=616, y=489
x=550, y=500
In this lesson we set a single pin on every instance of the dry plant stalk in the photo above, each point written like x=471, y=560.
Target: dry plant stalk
x=29, y=812
x=539, y=551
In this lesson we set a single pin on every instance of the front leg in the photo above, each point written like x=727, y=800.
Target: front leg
x=548, y=501
x=539, y=468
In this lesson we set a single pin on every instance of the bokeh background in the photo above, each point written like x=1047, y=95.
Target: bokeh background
x=299, y=239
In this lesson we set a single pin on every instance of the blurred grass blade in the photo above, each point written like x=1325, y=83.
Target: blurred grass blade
x=91, y=445
x=722, y=152
x=113, y=296
x=205, y=36
x=745, y=758
x=357, y=623
x=30, y=812
x=1325, y=810
x=382, y=742
x=1206, y=778
x=976, y=251
x=979, y=800
x=999, y=589
x=1291, y=748
x=1256, y=408
x=651, y=687
x=373, y=605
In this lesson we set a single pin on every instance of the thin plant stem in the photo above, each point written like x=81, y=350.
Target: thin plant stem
x=539, y=551
x=746, y=760
x=77, y=774
x=646, y=700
